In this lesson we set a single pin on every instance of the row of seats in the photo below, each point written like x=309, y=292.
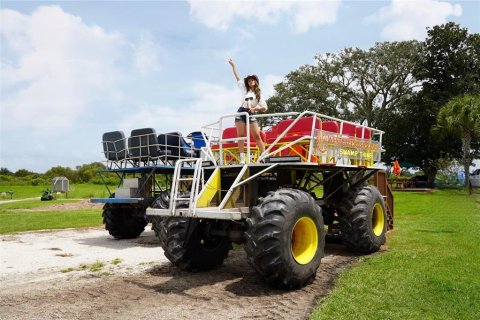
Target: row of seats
x=145, y=145
x=303, y=127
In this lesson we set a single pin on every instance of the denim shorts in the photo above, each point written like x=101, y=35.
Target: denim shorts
x=243, y=118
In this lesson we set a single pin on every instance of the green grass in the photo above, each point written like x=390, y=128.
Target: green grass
x=431, y=270
x=11, y=221
x=32, y=204
x=97, y=266
x=87, y=190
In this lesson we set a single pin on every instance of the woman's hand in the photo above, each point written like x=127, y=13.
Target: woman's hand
x=235, y=73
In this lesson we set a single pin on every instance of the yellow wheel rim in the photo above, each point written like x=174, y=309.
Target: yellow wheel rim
x=378, y=219
x=304, y=240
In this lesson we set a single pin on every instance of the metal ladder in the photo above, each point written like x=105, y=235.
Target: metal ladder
x=176, y=182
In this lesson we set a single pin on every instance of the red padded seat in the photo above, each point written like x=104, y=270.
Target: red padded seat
x=330, y=126
x=303, y=127
x=367, y=133
x=349, y=129
x=231, y=132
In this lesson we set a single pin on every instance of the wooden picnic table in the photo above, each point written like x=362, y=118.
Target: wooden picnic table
x=401, y=183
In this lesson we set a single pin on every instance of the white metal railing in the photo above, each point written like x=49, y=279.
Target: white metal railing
x=149, y=149
x=362, y=146
x=340, y=147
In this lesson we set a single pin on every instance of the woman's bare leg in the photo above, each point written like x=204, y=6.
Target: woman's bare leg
x=240, y=133
x=255, y=132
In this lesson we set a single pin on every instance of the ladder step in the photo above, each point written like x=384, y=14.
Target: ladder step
x=185, y=179
x=182, y=198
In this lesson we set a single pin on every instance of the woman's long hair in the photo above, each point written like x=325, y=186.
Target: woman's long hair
x=256, y=88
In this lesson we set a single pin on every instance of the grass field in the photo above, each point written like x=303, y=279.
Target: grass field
x=13, y=219
x=431, y=270
x=87, y=190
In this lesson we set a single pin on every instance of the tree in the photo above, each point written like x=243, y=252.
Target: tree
x=302, y=90
x=372, y=82
x=23, y=173
x=452, y=63
x=461, y=116
x=450, y=67
x=88, y=172
x=60, y=171
x=355, y=84
x=6, y=172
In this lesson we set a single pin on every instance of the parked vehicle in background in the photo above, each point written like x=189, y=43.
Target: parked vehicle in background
x=475, y=179
x=47, y=195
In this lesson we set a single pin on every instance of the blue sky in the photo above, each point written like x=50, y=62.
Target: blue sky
x=72, y=70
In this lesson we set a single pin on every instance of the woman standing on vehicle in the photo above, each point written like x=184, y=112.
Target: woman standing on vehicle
x=252, y=103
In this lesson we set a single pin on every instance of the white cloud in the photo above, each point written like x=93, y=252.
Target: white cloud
x=268, y=83
x=57, y=68
x=211, y=101
x=59, y=65
x=406, y=19
x=303, y=15
x=146, y=55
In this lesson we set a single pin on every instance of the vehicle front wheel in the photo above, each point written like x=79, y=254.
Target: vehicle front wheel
x=189, y=245
x=286, y=238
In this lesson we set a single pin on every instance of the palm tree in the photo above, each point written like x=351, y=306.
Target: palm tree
x=461, y=116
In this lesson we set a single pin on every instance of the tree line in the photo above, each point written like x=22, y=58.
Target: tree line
x=400, y=88
x=86, y=173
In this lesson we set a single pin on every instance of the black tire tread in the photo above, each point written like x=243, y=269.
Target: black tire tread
x=185, y=253
x=265, y=245
x=354, y=219
x=122, y=222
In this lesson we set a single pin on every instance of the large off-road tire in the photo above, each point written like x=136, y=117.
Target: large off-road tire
x=285, y=239
x=363, y=219
x=161, y=202
x=188, y=243
x=123, y=222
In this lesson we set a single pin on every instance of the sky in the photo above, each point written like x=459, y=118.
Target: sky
x=72, y=70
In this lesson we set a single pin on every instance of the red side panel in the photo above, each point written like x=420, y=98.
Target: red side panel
x=367, y=133
x=349, y=129
x=331, y=126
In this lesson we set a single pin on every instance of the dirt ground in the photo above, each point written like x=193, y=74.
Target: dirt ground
x=76, y=204
x=86, y=274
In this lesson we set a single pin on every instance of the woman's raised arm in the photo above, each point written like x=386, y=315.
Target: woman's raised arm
x=232, y=64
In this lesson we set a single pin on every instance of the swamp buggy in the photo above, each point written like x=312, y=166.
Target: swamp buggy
x=318, y=177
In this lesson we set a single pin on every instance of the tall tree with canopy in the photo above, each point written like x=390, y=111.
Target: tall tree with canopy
x=450, y=67
x=461, y=117
x=355, y=84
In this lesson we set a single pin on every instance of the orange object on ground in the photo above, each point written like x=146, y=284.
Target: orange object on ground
x=396, y=168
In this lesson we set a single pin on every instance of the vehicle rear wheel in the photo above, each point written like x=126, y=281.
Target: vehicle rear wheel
x=363, y=219
x=286, y=238
x=124, y=222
